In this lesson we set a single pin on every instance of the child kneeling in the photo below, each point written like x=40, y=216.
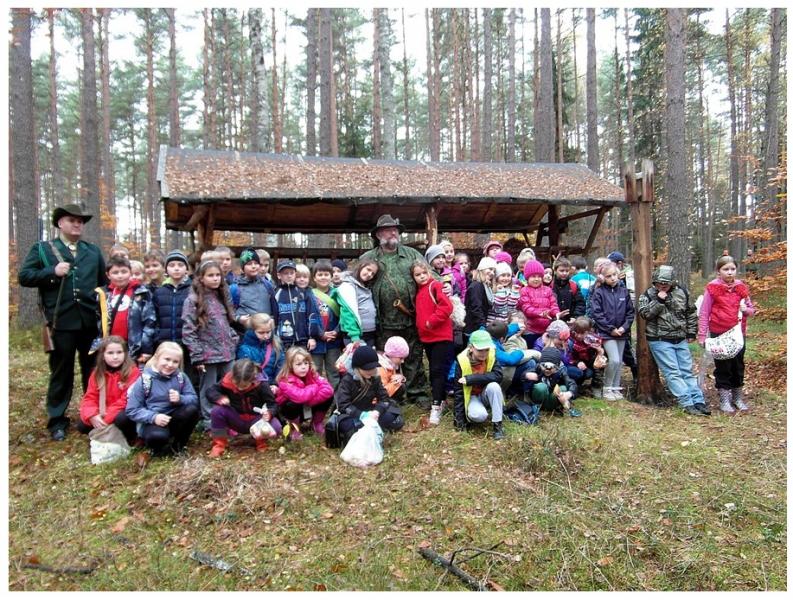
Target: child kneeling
x=235, y=397
x=477, y=377
x=361, y=390
x=550, y=386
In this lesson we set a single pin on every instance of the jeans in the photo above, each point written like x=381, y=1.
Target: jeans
x=578, y=375
x=213, y=374
x=491, y=397
x=326, y=365
x=674, y=362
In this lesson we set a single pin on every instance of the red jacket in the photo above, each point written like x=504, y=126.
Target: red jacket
x=532, y=302
x=719, y=310
x=312, y=390
x=433, y=314
x=115, y=400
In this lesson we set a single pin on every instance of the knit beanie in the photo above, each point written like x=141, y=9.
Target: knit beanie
x=396, y=347
x=558, y=329
x=433, y=252
x=486, y=263
x=339, y=264
x=176, y=255
x=249, y=255
x=551, y=355
x=503, y=268
x=503, y=257
x=533, y=267
x=365, y=357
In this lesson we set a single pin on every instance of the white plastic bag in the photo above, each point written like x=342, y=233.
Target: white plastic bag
x=365, y=447
x=261, y=428
x=102, y=452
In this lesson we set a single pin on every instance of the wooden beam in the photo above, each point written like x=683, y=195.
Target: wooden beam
x=431, y=217
x=601, y=212
x=199, y=213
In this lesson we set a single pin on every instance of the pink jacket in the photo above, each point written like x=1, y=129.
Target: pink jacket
x=532, y=302
x=462, y=282
x=312, y=390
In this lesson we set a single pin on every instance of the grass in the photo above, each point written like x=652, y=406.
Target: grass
x=627, y=497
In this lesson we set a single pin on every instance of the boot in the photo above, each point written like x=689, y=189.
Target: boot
x=261, y=445
x=498, y=431
x=725, y=401
x=292, y=430
x=737, y=399
x=219, y=445
x=318, y=422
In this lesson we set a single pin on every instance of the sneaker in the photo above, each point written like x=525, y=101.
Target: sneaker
x=498, y=431
x=596, y=392
x=692, y=410
x=435, y=414
x=573, y=412
x=617, y=391
x=608, y=394
x=703, y=408
x=58, y=435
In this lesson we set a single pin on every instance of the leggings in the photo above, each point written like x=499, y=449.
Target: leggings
x=614, y=350
x=439, y=356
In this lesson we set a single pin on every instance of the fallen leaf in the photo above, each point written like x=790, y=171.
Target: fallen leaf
x=605, y=561
x=424, y=544
x=121, y=525
x=398, y=574
x=495, y=587
x=667, y=522
x=320, y=587
x=634, y=528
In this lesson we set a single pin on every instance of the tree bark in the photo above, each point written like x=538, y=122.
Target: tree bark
x=59, y=184
x=174, y=126
x=511, y=102
x=406, y=90
x=152, y=149
x=377, y=107
x=487, y=91
x=536, y=78
x=575, y=91
x=592, y=156
x=618, y=102
x=559, y=91
x=631, y=142
x=544, y=119
x=387, y=87
x=24, y=189
x=311, y=81
x=328, y=140
x=277, y=129
x=107, y=182
x=210, y=91
x=435, y=126
x=734, y=156
x=89, y=135
x=768, y=185
x=676, y=186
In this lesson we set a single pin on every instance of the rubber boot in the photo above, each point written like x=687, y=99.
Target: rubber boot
x=498, y=431
x=737, y=399
x=219, y=445
x=725, y=401
x=318, y=422
x=261, y=445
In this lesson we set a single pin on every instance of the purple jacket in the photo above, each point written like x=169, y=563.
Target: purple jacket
x=215, y=343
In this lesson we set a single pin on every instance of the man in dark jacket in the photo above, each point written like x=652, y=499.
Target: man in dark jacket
x=671, y=325
x=66, y=271
x=477, y=384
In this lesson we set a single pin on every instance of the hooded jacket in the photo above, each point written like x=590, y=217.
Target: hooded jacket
x=297, y=316
x=142, y=408
x=672, y=319
x=477, y=305
x=433, y=314
x=214, y=343
x=355, y=395
x=251, y=296
x=569, y=297
x=141, y=320
x=168, y=304
x=357, y=310
x=312, y=390
x=242, y=401
x=255, y=349
x=533, y=302
x=115, y=395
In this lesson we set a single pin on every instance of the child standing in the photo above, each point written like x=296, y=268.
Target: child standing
x=568, y=296
x=262, y=346
x=250, y=293
x=303, y=395
x=169, y=301
x=154, y=268
x=505, y=296
x=479, y=298
x=339, y=267
x=136, y=270
x=726, y=302
x=330, y=344
x=584, y=281
x=525, y=256
x=114, y=374
x=357, y=312
x=461, y=271
x=235, y=396
x=225, y=258
x=125, y=309
x=163, y=402
x=435, y=331
x=537, y=302
x=207, y=331
x=294, y=309
x=264, y=264
x=612, y=313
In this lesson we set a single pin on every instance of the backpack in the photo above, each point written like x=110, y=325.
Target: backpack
x=146, y=383
x=524, y=413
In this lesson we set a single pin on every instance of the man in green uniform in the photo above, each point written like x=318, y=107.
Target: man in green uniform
x=394, y=292
x=66, y=271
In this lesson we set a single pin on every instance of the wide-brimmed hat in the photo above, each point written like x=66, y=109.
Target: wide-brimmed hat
x=387, y=221
x=75, y=210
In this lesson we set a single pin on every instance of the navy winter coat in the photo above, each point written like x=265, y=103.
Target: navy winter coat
x=168, y=304
x=611, y=308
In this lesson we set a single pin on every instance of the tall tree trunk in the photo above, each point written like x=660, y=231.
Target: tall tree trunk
x=575, y=91
x=618, y=102
x=259, y=77
x=174, y=126
x=703, y=184
x=768, y=185
x=487, y=92
x=152, y=149
x=747, y=151
x=735, y=191
x=387, y=87
x=455, y=96
x=107, y=182
x=311, y=81
x=377, y=107
x=511, y=104
x=24, y=189
x=710, y=216
x=476, y=129
x=676, y=185
x=89, y=135
x=277, y=127
x=328, y=140
x=559, y=90
x=544, y=141
x=210, y=91
x=631, y=142
x=284, y=78
x=59, y=185
x=592, y=157
x=406, y=90
x=536, y=79
x=435, y=126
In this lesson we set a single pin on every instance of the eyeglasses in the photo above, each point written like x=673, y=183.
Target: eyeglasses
x=548, y=366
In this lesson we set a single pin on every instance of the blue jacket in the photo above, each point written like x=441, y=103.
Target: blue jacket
x=333, y=325
x=141, y=321
x=251, y=296
x=168, y=304
x=297, y=317
x=511, y=358
x=253, y=348
x=611, y=308
x=143, y=407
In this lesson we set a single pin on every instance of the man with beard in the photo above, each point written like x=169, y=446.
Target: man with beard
x=394, y=292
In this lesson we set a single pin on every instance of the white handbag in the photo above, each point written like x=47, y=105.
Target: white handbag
x=728, y=344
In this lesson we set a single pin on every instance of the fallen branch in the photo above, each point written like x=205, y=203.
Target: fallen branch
x=216, y=563
x=440, y=561
x=61, y=570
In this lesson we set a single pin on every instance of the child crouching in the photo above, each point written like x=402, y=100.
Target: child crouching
x=551, y=386
x=302, y=393
x=235, y=397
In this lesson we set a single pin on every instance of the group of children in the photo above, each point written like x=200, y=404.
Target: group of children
x=224, y=351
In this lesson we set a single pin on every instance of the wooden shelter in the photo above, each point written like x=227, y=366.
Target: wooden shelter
x=208, y=190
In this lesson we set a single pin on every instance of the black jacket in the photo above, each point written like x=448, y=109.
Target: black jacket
x=476, y=306
x=354, y=396
x=243, y=401
x=560, y=378
x=567, y=300
x=168, y=304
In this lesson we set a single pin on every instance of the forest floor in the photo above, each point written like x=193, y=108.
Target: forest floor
x=628, y=497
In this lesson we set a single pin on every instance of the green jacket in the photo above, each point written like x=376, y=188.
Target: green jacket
x=397, y=284
x=672, y=319
x=77, y=307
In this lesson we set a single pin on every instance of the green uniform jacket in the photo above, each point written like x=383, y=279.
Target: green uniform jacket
x=77, y=308
x=401, y=285
x=673, y=319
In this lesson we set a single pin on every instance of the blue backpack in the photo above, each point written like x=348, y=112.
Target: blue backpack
x=522, y=412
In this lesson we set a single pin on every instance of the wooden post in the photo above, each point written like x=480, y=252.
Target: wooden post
x=553, y=226
x=640, y=196
x=431, y=217
x=206, y=228
x=595, y=227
